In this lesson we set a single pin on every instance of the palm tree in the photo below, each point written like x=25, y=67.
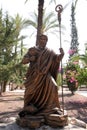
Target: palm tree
x=40, y=18
x=83, y=58
x=50, y=23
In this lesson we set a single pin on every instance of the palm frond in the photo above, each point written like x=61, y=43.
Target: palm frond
x=25, y=1
x=76, y=3
x=67, y=5
x=31, y=23
x=52, y=1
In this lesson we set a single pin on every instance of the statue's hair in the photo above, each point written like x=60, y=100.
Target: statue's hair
x=42, y=35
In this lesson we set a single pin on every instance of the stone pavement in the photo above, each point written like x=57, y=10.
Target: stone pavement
x=14, y=126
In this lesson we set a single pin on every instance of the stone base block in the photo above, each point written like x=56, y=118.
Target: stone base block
x=55, y=120
x=30, y=121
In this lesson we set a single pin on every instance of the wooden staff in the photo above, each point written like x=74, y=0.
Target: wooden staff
x=59, y=10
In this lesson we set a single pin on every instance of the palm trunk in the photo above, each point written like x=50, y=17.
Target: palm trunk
x=40, y=19
x=3, y=86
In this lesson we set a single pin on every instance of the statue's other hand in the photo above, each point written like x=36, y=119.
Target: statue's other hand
x=61, y=51
x=25, y=60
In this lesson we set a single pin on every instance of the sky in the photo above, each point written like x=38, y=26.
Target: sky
x=17, y=6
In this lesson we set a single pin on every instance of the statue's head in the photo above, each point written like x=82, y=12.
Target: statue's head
x=43, y=41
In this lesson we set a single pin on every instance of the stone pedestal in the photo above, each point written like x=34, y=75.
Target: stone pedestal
x=30, y=121
x=55, y=120
x=52, y=120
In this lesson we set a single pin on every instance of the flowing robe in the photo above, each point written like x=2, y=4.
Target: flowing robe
x=41, y=89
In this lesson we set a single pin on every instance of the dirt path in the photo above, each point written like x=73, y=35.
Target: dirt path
x=12, y=102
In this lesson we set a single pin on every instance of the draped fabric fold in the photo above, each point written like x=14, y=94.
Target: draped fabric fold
x=41, y=88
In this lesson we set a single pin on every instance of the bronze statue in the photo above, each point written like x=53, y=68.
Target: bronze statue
x=41, y=90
